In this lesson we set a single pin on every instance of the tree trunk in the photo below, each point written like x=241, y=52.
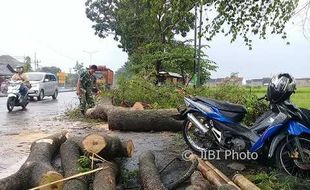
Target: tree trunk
x=37, y=169
x=149, y=175
x=145, y=120
x=101, y=110
x=106, y=178
x=70, y=154
x=106, y=146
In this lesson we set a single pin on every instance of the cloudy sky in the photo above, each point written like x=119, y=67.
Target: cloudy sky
x=59, y=33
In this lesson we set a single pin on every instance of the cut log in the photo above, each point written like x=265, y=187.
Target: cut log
x=149, y=175
x=105, y=146
x=37, y=169
x=101, y=110
x=137, y=106
x=208, y=173
x=244, y=183
x=70, y=154
x=144, y=120
x=106, y=179
x=198, y=182
x=213, y=175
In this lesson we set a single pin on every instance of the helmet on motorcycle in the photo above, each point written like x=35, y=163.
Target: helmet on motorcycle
x=19, y=69
x=281, y=88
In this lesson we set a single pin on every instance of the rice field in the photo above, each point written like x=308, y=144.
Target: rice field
x=301, y=98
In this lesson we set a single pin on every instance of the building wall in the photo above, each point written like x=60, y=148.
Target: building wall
x=303, y=82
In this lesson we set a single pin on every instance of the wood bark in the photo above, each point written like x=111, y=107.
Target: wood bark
x=106, y=178
x=101, y=110
x=70, y=154
x=144, y=120
x=198, y=182
x=37, y=170
x=244, y=183
x=105, y=146
x=149, y=174
x=208, y=173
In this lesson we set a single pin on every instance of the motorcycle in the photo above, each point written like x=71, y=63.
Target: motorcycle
x=281, y=133
x=14, y=96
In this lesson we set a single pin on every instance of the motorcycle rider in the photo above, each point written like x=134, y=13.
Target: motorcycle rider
x=21, y=76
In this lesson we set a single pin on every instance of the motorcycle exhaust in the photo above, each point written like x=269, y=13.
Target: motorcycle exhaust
x=195, y=121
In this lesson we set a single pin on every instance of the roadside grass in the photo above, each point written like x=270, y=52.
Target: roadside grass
x=276, y=180
x=301, y=98
x=75, y=115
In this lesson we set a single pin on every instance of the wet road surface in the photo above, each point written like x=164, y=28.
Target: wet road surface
x=19, y=128
x=36, y=112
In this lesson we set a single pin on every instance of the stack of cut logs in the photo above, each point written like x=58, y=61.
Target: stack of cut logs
x=38, y=173
x=136, y=118
x=202, y=176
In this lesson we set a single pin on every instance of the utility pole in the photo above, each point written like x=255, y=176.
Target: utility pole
x=35, y=62
x=90, y=53
x=195, y=48
x=199, y=47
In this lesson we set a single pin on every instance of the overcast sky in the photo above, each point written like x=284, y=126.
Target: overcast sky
x=59, y=32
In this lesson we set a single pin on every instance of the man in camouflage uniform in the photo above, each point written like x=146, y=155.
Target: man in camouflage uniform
x=85, y=87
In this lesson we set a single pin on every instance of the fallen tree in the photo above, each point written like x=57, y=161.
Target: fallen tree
x=127, y=119
x=106, y=179
x=37, y=170
x=149, y=174
x=70, y=154
x=144, y=120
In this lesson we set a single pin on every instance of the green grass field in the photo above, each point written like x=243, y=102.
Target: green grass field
x=301, y=98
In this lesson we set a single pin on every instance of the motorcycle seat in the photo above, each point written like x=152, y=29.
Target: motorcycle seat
x=235, y=112
x=222, y=105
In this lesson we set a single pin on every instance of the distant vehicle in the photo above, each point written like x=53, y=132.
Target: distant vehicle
x=104, y=77
x=42, y=84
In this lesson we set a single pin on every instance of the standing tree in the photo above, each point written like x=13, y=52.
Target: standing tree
x=27, y=65
x=78, y=68
x=146, y=29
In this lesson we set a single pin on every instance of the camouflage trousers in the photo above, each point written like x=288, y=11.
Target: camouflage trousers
x=86, y=100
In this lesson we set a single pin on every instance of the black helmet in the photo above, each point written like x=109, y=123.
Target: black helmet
x=281, y=88
x=19, y=69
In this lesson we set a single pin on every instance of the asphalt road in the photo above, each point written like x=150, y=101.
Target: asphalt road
x=36, y=112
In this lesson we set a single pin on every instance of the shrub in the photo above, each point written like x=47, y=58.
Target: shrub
x=138, y=89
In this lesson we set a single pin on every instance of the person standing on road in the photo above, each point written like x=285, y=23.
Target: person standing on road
x=85, y=87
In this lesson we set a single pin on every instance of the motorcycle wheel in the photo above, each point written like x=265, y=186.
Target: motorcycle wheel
x=289, y=158
x=194, y=138
x=10, y=103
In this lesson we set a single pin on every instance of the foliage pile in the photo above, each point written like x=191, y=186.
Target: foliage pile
x=277, y=180
x=138, y=89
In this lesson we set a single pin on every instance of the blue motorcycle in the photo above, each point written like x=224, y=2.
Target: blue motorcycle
x=281, y=133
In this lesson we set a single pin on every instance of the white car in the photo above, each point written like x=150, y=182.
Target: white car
x=42, y=84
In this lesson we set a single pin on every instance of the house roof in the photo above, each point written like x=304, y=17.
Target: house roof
x=8, y=60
